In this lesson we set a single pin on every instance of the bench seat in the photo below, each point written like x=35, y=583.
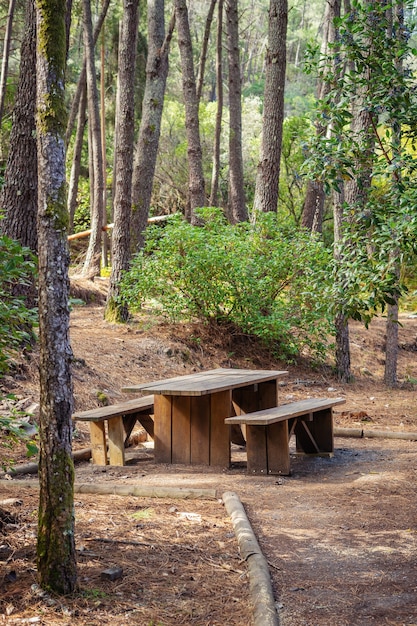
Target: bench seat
x=268, y=433
x=120, y=419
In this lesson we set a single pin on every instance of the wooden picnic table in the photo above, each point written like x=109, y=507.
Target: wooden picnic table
x=189, y=411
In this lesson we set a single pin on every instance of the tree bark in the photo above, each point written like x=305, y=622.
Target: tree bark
x=56, y=559
x=219, y=113
x=115, y=311
x=196, y=185
x=203, y=55
x=150, y=126
x=92, y=261
x=6, y=52
x=237, y=203
x=391, y=347
x=76, y=159
x=18, y=197
x=267, y=179
x=75, y=104
x=313, y=209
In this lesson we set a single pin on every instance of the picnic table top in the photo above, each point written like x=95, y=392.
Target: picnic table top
x=203, y=383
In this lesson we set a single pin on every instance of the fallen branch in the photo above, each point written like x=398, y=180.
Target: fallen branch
x=260, y=587
x=374, y=434
x=142, y=491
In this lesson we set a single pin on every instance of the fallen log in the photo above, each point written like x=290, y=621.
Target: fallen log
x=141, y=491
x=260, y=587
x=374, y=434
x=32, y=468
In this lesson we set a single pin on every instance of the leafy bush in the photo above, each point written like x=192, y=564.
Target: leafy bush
x=17, y=267
x=13, y=429
x=269, y=283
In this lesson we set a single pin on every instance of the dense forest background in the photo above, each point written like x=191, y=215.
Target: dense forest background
x=273, y=145
x=305, y=111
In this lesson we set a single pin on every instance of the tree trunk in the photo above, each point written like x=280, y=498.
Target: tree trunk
x=391, y=347
x=56, y=559
x=150, y=126
x=116, y=311
x=396, y=25
x=313, y=209
x=203, y=55
x=105, y=247
x=342, y=348
x=267, y=179
x=6, y=52
x=75, y=104
x=18, y=197
x=219, y=92
x=237, y=203
x=76, y=159
x=92, y=261
x=196, y=186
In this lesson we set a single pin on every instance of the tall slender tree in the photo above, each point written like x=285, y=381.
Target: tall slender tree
x=313, y=208
x=267, y=180
x=150, y=125
x=196, y=185
x=121, y=254
x=6, y=53
x=18, y=196
x=214, y=193
x=237, y=202
x=204, y=48
x=56, y=544
x=92, y=260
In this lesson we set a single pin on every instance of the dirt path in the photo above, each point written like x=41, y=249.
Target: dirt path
x=339, y=534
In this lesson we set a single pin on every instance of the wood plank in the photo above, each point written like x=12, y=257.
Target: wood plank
x=285, y=411
x=116, y=441
x=203, y=383
x=181, y=430
x=129, y=422
x=278, y=449
x=98, y=443
x=123, y=408
x=200, y=430
x=147, y=423
x=256, y=448
x=162, y=429
x=267, y=394
x=220, y=406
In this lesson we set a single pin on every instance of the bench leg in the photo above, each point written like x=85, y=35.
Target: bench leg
x=163, y=429
x=116, y=441
x=316, y=436
x=98, y=443
x=268, y=449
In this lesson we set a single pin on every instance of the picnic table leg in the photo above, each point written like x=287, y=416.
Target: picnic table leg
x=268, y=449
x=163, y=429
x=315, y=436
x=181, y=430
x=98, y=443
x=221, y=407
x=116, y=441
x=200, y=430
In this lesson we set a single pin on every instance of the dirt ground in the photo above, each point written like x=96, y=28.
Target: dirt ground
x=339, y=534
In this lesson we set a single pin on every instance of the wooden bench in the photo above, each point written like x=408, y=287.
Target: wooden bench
x=268, y=433
x=120, y=419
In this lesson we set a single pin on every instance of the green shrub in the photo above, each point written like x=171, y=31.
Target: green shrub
x=17, y=267
x=268, y=282
x=14, y=430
